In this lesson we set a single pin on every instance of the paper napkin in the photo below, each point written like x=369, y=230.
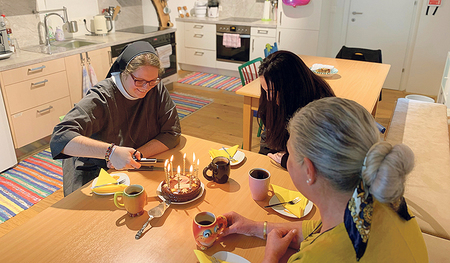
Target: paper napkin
x=111, y=186
x=285, y=195
x=215, y=153
x=203, y=258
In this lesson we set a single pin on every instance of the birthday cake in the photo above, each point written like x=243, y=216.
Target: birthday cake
x=182, y=191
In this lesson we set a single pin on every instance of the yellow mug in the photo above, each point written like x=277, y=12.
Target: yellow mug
x=133, y=199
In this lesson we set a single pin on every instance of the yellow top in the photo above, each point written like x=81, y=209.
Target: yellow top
x=392, y=239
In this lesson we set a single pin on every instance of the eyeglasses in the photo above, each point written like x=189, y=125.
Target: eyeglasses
x=141, y=82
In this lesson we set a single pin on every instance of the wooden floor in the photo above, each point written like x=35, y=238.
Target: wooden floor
x=221, y=121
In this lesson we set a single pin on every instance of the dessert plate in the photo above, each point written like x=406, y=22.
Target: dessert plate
x=230, y=257
x=118, y=177
x=202, y=190
x=281, y=210
x=333, y=72
x=239, y=157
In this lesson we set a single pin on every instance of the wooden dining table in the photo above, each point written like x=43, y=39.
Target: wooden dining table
x=356, y=80
x=85, y=227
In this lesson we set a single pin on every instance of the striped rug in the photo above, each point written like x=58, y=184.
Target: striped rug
x=187, y=104
x=30, y=181
x=212, y=81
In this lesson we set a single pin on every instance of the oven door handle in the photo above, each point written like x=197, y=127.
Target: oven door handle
x=241, y=36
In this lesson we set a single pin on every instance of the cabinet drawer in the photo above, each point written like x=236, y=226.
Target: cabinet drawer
x=33, y=71
x=199, y=57
x=31, y=93
x=264, y=32
x=38, y=122
x=203, y=37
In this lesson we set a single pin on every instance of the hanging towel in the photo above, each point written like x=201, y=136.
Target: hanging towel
x=164, y=53
x=86, y=81
x=231, y=40
x=92, y=75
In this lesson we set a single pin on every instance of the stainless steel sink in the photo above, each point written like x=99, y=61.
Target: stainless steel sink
x=60, y=46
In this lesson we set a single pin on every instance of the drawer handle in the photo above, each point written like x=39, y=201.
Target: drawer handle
x=198, y=35
x=32, y=70
x=198, y=26
x=39, y=83
x=44, y=110
x=197, y=53
x=263, y=32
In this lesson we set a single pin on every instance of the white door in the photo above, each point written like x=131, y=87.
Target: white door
x=385, y=25
x=8, y=155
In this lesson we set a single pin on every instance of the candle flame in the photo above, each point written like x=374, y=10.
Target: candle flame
x=193, y=157
x=168, y=167
x=171, y=158
x=166, y=162
x=178, y=169
x=184, y=156
x=191, y=169
x=198, y=161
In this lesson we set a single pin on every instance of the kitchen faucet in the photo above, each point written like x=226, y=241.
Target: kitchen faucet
x=72, y=25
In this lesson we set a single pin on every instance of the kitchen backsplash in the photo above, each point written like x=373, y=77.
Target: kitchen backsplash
x=25, y=25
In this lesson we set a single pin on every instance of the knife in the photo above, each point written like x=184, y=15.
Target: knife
x=149, y=168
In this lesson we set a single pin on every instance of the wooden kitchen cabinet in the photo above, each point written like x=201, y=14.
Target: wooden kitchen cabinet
x=261, y=36
x=199, y=44
x=35, y=96
x=100, y=60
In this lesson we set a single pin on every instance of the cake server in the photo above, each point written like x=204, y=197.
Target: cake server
x=155, y=212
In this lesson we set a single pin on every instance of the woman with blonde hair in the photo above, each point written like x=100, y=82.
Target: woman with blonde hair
x=128, y=115
x=357, y=183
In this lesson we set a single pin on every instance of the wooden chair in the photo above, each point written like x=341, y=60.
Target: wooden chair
x=249, y=72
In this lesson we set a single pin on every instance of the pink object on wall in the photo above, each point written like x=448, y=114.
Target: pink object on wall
x=295, y=3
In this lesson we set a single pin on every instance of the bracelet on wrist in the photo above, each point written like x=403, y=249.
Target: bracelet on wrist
x=109, y=151
x=265, y=230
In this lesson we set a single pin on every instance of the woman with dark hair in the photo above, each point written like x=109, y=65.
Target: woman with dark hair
x=287, y=85
x=128, y=115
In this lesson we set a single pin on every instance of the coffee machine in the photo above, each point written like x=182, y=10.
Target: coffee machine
x=5, y=51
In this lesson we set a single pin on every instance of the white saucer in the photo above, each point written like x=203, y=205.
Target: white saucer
x=230, y=257
x=202, y=190
x=121, y=176
x=281, y=210
x=333, y=72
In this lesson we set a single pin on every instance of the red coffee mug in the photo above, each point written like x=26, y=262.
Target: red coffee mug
x=206, y=227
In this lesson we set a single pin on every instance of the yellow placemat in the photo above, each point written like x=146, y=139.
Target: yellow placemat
x=203, y=258
x=285, y=195
x=215, y=153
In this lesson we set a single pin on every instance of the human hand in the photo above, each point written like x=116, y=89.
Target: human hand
x=122, y=158
x=276, y=156
x=278, y=242
x=238, y=224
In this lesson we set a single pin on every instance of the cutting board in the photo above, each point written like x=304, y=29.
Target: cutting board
x=164, y=19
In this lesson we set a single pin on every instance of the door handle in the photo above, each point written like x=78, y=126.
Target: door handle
x=279, y=35
x=253, y=45
x=44, y=110
x=356, y=13
x=197, y=53
x=198, y=35
x=198, y=26
x=39, y=83
x=32, y=70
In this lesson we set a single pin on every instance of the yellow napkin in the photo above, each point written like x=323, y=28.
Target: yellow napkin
x=203, y=258
x=285, y=195
x=215, y=153
x=105, y=178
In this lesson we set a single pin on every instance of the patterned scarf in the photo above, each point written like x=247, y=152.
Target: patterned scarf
x=358, y=217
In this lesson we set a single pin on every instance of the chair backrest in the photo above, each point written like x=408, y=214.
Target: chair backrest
x=362, y=54
x=270, y=49
x=249, y=71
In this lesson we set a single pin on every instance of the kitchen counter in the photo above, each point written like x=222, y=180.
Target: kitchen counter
x=227, y=21
x=25, y=58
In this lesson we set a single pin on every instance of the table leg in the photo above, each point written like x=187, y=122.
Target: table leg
x=247, y=123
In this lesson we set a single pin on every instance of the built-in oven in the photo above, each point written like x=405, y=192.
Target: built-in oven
x=170, y=72
x=233, y=54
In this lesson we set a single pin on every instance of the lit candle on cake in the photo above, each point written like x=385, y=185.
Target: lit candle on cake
x=184, y=164
x=171, y=165
x=179, y=179
x=196, y=171
x=191, y=171
x=166, y=172
x=193, y=158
